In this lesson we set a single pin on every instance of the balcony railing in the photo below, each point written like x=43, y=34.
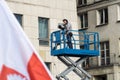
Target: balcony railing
x=92, y=63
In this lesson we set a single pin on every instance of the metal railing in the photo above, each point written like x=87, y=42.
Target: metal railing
x=80, y=40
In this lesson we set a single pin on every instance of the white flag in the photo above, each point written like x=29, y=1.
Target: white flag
x=18, y=58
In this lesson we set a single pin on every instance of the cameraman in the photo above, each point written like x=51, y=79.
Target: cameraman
x=66, y=26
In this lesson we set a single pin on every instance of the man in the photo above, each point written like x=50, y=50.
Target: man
x=67, y=28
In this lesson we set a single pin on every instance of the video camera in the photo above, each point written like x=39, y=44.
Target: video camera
x=61, y=26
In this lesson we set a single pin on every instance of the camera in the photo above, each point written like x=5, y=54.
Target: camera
x=61, y=26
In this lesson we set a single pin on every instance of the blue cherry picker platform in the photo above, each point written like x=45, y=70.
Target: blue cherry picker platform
x=84, y=44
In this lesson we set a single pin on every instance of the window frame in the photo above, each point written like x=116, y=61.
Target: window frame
x=43, y=41
x=118, y=12
x=102, y=17
x=82, y=2
x=84, y=20
x=48, y=65
x=86, y=63
x=21, y=15
x=106, y=55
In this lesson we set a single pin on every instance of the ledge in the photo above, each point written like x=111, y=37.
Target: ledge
x=98, y=67
x=101, y=25
x=118, y=21
x=95, y=2
x=83, y=29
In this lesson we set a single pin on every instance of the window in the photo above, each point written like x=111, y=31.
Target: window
x=104, y=53
x=43, y=31
x=102, y=60
x=84, y=20
x=19, y=18
x=102, y=16
x=100, y=77
x=86, y=64
x=118, y=12
x=82, y=2
x=48, y=64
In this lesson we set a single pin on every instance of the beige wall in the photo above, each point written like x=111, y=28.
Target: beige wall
x=55, y=10
x=109, y=32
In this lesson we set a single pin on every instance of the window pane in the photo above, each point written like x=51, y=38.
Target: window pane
x=19, y=18
x=118, y=12
x=82, y=2
x=83, y=65
x=102, y=61
x=102, y=16
x=102, y=54
x=107, y=45
x=43, y=31
x=43, y=28
x=48, y=64
x=106, y=15
x=43, y=42
x=85, y=1
x=84, y=20
x=81, y=18
x=102, y=46
x=79, y=2
x=108, y=61
x=101, y=77
x=86, y=64
x=105, y=55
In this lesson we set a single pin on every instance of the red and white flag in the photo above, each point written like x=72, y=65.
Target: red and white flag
x=18, y=58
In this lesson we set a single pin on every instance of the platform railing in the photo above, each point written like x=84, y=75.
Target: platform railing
x=80, y=40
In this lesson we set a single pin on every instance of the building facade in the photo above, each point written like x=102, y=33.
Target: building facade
x=102, y=16
x=39, y=18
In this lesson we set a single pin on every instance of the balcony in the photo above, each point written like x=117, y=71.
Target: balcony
x=97, y=63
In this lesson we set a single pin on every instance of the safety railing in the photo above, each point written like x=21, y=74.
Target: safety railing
x=80, y=40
